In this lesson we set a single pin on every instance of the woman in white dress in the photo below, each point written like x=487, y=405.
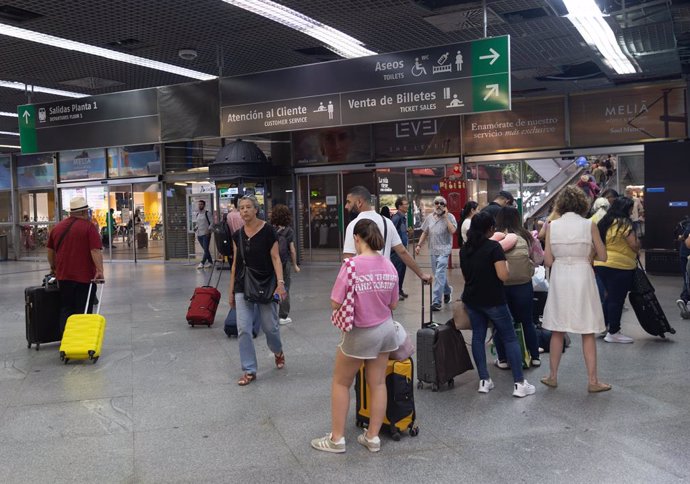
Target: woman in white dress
x=573, y=304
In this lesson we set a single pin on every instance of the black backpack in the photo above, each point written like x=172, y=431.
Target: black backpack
x=223, y=237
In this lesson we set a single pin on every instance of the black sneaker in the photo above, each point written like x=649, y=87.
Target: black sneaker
x=404, y=294
x=448, y=297
x=435, y=307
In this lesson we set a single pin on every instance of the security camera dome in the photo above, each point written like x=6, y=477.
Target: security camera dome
x=187, y=54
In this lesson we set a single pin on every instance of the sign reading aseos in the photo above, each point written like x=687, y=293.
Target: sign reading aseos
x=122, y=118
x=461, y=78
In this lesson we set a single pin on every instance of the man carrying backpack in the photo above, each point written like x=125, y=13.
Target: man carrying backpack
x=281, y=219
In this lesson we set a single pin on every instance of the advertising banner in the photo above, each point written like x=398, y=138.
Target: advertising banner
x=538, y=123
x=417, y=138
x=340, y=144
x=630, y=115
x=81, y=164
x=35, y=170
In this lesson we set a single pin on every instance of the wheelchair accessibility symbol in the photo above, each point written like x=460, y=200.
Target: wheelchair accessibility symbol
x=418, y=69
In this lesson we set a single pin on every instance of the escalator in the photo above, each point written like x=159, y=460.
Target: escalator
x=537, y=204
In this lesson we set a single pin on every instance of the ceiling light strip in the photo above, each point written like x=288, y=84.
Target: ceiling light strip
x=9, y=115
x=9, y=133
x=51, y=40
x=589, y=21
x=11, y=146
x=335, y=40
x=20, y=86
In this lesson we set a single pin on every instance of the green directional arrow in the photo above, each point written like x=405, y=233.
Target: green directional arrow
x=491, y=93
x=490, y=56
x=27, y=128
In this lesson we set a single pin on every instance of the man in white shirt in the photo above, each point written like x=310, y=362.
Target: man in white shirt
x=359, y=202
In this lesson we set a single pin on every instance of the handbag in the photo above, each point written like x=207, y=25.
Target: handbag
x=539, y=281
x=343, y=318
x=460, y=316
x=258, y=287
x=405, y=346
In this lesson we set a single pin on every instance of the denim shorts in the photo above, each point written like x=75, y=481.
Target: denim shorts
x=368, y=343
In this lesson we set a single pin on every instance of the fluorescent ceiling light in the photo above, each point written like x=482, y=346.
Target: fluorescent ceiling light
x=335, y=40
x=10, y=146
x=51, y=40
x=589, y=21
x=20, y=86
x=9, y=115
x=9, y=133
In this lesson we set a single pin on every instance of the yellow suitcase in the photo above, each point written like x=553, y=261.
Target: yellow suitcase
x=83, y=336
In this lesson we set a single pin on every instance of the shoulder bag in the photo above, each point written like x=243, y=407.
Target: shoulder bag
x=258, y=288
x=343, y=318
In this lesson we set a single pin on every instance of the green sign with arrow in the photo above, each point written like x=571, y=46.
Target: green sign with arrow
x=27, y=128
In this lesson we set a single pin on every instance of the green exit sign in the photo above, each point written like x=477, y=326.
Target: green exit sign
x=27, y=128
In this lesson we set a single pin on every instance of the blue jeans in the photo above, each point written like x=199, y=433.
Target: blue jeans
x=401, y=269
x=268, y=313
x=520, y=302
x=617, y=283
x=503, y=322
x=204, y=241
x=439, y=267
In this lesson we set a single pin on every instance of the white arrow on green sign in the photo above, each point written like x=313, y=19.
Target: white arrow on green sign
x=27, y=128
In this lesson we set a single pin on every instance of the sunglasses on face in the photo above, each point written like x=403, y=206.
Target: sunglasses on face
x=440, y=203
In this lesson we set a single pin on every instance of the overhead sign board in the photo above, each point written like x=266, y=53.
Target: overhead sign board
x=123, y=118
x=454, y=79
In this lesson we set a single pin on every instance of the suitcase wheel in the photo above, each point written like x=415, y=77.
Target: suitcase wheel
x=451, y=383
x=434, y=387
x=38, y=345
x=420, y=385
x=91, y=353
x=66, y=360
x=62, y=355
x=414, y=431
x=28, y=345
x=95, y=359
x=360, y=424
x=395, y=434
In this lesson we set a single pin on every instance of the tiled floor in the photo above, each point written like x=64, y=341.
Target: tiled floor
x=162, y=405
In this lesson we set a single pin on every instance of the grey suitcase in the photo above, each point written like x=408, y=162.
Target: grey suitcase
x=441, y=352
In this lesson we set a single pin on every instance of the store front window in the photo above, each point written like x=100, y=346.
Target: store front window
x=5, y=173
x=37, y=213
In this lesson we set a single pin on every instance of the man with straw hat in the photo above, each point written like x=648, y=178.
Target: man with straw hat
x=75, y=258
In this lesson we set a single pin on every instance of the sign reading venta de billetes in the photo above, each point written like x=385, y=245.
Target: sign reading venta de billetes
x=454, y=79
x=118, y=119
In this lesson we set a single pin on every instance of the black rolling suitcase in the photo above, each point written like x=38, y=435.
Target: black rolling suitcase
x=441, y=352
x=646, y=305
x=42, y=315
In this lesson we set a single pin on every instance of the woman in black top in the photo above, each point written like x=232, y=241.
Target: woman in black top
x=256, y=246
x=484, y=268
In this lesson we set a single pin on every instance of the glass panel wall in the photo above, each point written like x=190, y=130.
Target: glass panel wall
x=35, y=170
x=38, y=216
x=144, y=160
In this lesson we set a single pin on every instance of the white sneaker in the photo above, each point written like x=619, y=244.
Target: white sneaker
x=684, y=309
x=503, y=365
x=284, y=321
x=617, y=338
x=523, y=389
x=200, y=266
x=485, y=386
x=208, y=265
x=374, y=445
x=325, y=444
x=536, y=362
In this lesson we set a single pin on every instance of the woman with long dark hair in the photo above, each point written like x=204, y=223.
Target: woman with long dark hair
x=484, y=267
x=281, y=219
x=522, y=259
x=616, y=273
x=468, y=211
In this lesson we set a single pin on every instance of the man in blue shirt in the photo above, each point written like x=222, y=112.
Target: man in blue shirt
x=400, y=222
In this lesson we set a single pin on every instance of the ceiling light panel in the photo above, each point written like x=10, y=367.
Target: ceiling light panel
x=59, y=42
x=9, y=115
x=20, y=86
x=589, y=21
x=335, y=40
x=9, y=133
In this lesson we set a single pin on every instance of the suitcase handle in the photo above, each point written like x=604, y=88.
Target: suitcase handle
x=95, y=282
x=431, y=315
x=210, y=276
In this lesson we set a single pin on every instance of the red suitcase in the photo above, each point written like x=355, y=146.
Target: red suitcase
x=204, y=302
